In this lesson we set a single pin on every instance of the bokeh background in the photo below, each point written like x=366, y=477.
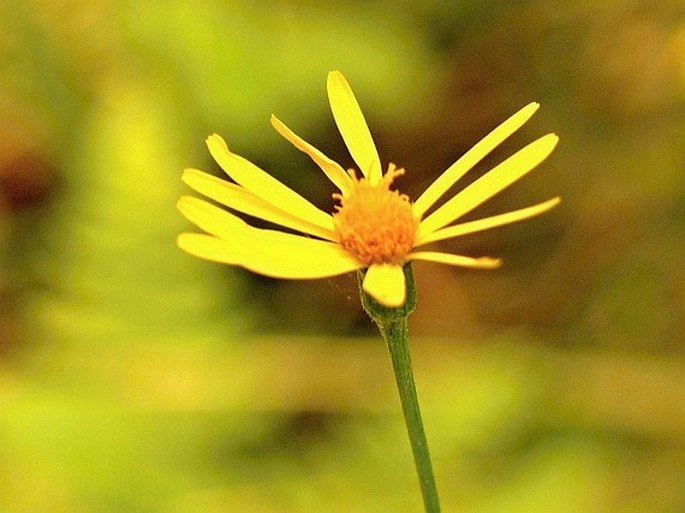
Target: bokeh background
x=134, y=378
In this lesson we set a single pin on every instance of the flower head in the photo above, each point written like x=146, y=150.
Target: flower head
x=374, y=223
x=374, y=226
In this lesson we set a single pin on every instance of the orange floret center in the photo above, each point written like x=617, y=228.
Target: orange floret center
x=374, y=223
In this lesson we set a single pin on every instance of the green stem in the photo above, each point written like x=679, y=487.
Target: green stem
x=393, y=325
x=395, y=334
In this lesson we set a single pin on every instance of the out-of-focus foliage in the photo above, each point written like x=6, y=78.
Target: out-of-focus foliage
x=135, y=378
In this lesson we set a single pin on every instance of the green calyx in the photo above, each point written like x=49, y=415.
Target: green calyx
x=382, y=314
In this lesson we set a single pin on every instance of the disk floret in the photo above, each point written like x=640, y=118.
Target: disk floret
x=373, y=222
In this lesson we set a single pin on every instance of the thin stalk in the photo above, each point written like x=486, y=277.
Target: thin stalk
x=395, y=335
x=393, y=325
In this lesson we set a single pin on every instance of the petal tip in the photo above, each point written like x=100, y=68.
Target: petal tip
x=181, y=201
x=189, y=172
x=336, y=81
x=385, y=283
x=184, y=204
x=278, y=125
x=182, y=240
x=528, y=111
x=217, y=142
x=553, y=140
x=389, y=301
x=489, y=262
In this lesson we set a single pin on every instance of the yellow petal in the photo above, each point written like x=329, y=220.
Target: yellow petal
x=457, y=260
x=240, y=199
x=265, y=186
x=207, y=247
x=352, y=126
x=488, y=222
x=496, y=180
x=209, y=218
x=272, y=253
x=333, y=170
x=386, y=284
x=450, y=176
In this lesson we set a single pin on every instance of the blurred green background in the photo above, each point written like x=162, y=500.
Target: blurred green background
x=134, y=378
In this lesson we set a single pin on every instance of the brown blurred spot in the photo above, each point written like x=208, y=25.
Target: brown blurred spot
x=26, y=181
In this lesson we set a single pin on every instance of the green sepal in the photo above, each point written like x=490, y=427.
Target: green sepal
x=382, y=314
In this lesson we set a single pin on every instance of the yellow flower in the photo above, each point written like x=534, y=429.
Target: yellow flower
x=374, y=227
